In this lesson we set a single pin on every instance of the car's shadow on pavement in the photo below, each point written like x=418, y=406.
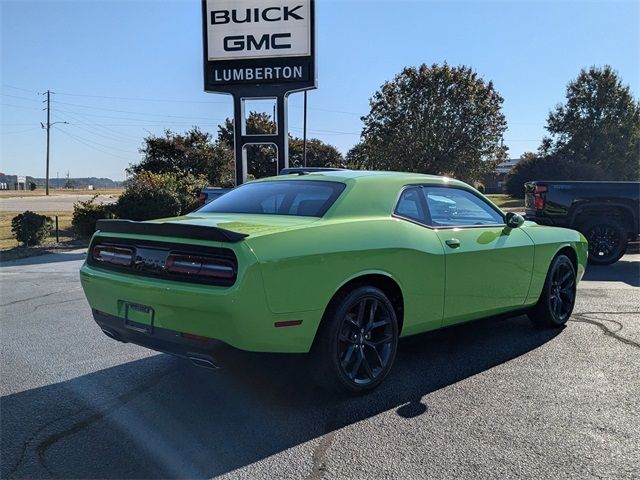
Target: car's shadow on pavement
x=161, y=417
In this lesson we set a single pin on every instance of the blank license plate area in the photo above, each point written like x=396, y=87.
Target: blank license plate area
x=138, y=317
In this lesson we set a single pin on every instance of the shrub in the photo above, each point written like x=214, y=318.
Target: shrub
x=480, y=187
x=549, y=168
x=87, y=213
x=159, y=195
x=31, y=228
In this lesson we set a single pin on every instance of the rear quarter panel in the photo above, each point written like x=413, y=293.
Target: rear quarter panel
x=303, y=269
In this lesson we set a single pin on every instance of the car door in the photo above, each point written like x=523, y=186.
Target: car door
x=424, y=278
x=488, y=265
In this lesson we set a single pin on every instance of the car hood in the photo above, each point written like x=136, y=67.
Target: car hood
x=252, y=225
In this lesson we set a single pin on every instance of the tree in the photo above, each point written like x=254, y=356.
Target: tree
x=436, y=119
x=194, y=153
x=536, y=167
x=357, y=158
x=159, y=195
x=319, y=154
x=599, y=124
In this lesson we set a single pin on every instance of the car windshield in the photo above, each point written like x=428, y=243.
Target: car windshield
x=308, y=198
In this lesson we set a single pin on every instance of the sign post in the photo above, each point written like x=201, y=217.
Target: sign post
x=259, y=49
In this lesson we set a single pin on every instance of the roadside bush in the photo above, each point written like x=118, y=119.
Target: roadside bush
x=87, y=213
x=31, y=228
x=159, y=195
x=532, y=167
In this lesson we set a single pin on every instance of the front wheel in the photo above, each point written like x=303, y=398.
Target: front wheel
x=558, y=295
x=357, y=341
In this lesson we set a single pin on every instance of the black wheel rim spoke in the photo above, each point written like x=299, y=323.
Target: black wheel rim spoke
x=562, y=291
x=365, y=340
x=365, y=364
x=345, y=338
x=356, y=366
x=603, y=240
x=348, y=355
x=361, y=308
x=375, y=350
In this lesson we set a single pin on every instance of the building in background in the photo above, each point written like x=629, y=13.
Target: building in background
x=495, y=183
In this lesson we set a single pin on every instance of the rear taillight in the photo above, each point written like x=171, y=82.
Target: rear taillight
x=200, y=266
x=113, y=255
x=538, y=198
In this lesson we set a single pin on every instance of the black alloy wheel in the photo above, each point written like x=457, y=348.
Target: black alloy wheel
x=358, y=340
x=562, y=295
x=365, y=341
x=607, y=240
x=558, y=295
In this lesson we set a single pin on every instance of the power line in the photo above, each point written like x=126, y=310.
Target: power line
x=101, y=144
x=148, y=120
x=22, y=98
x=90, y=124
x=19, y=106
x=21, y=131
x=18, y=88
x=93, y=147
x=163, y=115
x=162, y=100
x=102, y=135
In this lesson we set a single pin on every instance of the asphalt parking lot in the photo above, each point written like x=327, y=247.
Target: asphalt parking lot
x=490, y=399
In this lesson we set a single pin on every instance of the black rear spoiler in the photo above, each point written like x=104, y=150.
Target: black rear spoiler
x=169, y=229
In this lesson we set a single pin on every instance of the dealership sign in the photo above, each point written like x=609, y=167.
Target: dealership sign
x=258, y=42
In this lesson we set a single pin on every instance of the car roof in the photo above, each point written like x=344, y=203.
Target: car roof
x=367, y=193
x=349, y=175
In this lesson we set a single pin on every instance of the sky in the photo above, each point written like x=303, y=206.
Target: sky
x=122, y=70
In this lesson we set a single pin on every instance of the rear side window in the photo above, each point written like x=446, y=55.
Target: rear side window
x=411, y=206
x=308, y=198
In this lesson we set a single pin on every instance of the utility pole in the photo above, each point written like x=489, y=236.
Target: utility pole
x=48, y=135
x=48, y=128
x=304, y=132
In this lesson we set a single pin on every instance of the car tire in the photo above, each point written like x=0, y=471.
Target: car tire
x=357, y=341
x=558, y=295
x=607, y=239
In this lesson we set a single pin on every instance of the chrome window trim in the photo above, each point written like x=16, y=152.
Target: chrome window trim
x=447, y=227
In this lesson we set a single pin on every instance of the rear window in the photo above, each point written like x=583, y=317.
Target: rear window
x=305, y=198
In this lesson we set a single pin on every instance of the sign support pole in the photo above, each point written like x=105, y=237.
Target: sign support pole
x=254, y=50
x=241, y=139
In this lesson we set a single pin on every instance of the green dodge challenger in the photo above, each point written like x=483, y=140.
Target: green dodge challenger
x=339, y=264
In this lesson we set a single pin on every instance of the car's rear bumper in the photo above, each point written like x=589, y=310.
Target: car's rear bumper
x=200, y=350
x=238, y=316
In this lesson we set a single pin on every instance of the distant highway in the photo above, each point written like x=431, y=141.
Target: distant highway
x=54, y=203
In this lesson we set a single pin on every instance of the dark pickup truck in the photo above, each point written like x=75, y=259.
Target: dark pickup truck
x=605, y=212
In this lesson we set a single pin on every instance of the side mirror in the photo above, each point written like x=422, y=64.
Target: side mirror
x=514, y=220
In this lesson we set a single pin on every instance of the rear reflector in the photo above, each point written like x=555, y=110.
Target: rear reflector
x=113, y=255
x=288, y=323
x=197, y=338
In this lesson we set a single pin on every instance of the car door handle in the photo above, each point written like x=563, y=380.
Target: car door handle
x=453, y=242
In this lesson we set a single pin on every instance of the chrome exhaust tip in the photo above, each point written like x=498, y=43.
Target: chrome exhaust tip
x=111, y=334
